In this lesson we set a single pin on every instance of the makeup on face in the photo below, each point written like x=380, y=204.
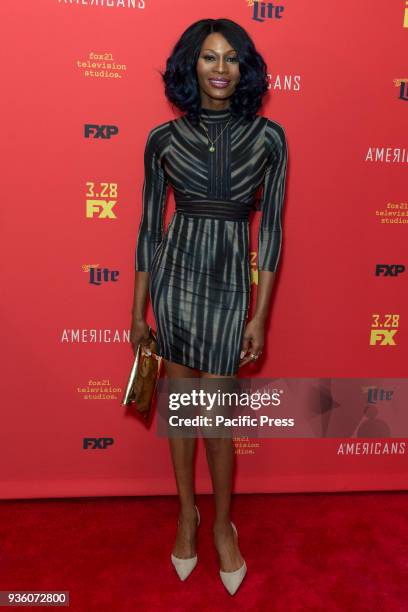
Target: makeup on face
x=217, y=68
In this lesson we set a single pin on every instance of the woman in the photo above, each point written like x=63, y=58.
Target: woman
x=215, y=157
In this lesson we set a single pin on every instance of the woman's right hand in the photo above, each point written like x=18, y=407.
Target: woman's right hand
x=139, y=333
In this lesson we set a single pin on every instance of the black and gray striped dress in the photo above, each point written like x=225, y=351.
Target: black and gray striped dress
x=199, y=266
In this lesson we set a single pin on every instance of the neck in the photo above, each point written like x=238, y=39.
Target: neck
x=212, y=115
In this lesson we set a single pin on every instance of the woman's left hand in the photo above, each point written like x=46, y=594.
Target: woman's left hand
x=253, y=341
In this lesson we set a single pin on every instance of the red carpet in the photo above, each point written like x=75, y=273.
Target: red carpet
x=334, y=551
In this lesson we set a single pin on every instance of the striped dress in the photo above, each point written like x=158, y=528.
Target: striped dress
x=199, y=282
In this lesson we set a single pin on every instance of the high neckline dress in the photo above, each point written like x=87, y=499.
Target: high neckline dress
x=199, y=282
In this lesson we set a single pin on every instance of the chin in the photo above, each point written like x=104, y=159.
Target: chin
x=219, y=94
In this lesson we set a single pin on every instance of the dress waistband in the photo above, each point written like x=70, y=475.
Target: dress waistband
x=229, y=210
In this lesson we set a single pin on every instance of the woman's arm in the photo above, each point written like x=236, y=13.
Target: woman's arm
x=155, y=187
x=269, y=234
x=270, y=226
x=150, y=232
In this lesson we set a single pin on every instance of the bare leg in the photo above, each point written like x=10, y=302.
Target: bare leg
x=182, y=454
x=220, y=459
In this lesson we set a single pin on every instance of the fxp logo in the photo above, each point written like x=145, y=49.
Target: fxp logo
x=389, y=269
x=106, y=132
x=97, y=443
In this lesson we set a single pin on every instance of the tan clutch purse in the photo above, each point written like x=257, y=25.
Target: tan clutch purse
x=143, y=379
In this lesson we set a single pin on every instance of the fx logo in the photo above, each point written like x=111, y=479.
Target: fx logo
x=265, y=10
x=100, y=208
x=97, y=276
x=389, y=270
x=100, y=131
x=383, y=337
x=97, y=443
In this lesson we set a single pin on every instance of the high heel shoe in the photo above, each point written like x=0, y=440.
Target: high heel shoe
x=184, y=567
x=232, y=580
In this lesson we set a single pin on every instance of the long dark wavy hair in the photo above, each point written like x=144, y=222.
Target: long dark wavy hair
x=180, y=76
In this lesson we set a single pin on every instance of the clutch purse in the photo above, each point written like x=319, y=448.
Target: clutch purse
x=143, y=379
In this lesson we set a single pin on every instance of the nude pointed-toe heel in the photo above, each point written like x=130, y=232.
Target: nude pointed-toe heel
x=184, y=567
x=232, y=580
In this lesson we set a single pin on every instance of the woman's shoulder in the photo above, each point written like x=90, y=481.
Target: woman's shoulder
x=275, y=134
x=159, y=135
x=160, y=129
x=271, y=125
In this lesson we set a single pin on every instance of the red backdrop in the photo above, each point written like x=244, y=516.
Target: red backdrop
x=337, y=86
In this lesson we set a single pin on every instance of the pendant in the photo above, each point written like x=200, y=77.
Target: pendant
x=212, y=148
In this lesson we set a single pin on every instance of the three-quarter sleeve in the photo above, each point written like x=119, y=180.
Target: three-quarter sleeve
x=273, y=194
x=154, y=192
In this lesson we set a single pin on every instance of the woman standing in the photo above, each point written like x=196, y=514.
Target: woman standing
x=215, y=157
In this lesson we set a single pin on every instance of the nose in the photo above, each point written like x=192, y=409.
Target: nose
x=221, y=66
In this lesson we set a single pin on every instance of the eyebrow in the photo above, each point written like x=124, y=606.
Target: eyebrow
x=212, y=50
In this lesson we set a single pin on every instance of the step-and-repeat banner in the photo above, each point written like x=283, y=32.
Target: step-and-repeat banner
x=81, y=90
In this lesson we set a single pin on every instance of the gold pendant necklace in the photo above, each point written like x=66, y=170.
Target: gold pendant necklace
x=211, y=148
